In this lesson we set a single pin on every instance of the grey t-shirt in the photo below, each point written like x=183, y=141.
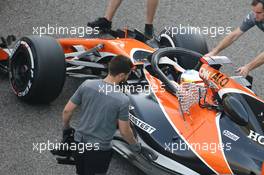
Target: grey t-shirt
x=250, y=21
x=102, y=105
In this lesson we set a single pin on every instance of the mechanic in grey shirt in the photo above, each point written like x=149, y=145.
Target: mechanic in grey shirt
x=254, y=18
x=103, y=106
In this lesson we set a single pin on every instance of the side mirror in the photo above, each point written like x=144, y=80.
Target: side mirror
x=235, y=110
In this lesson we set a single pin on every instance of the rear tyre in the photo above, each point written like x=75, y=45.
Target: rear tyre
x=37, y=69
x=191, y=41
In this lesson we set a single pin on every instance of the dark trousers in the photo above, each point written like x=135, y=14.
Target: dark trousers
x=93, y=162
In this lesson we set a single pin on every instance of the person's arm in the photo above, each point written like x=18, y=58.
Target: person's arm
x=227, y=41
x=128, y=135
x=72, y=104
x=126, y=132
x=124, y=122
x=248, y=23
x=258, y=61
x=67, y=114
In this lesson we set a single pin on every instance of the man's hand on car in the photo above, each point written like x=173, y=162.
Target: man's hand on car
x=212, y=53
x=243, y=71
x=138, y=149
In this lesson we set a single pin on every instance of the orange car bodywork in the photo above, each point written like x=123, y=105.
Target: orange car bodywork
x=3, y=55
x=122, y=46
x=222, y=81
x=200, y=125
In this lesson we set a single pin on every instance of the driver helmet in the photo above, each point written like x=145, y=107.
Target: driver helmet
x=190, y=76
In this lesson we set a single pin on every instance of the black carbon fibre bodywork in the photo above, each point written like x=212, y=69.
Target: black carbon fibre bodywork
x=147, y=109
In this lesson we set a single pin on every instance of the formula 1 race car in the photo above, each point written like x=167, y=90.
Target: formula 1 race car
x=192, y=118
x=40, y=76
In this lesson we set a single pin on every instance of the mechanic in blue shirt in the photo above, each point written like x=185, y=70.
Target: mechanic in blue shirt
x=103, y=106
x=105, y=23
x=254, y=18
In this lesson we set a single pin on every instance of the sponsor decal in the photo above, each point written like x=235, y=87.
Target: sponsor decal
x=230, y=135
x=220, y=79
x=256, y=137
x=205, y=74
x=118, y=44
x=142, y=125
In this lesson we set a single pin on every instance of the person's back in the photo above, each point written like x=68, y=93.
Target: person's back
x=102, y=105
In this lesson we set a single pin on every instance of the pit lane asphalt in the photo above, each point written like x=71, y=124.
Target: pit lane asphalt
x=21, y=125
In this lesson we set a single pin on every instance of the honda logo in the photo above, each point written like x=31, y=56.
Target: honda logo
x=256, y=137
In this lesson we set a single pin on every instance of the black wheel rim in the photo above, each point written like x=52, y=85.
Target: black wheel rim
x=20, y=69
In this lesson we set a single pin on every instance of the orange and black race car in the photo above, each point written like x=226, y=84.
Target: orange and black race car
x=190, y=117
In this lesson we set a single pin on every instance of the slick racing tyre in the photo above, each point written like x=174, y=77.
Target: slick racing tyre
x=191, y=41
x=37, y=69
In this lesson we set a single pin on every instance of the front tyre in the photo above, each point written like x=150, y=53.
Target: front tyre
x=37, y=69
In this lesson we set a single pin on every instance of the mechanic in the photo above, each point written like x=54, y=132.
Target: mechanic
x=254, y=18
x=105, y=23
x=100, y=114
